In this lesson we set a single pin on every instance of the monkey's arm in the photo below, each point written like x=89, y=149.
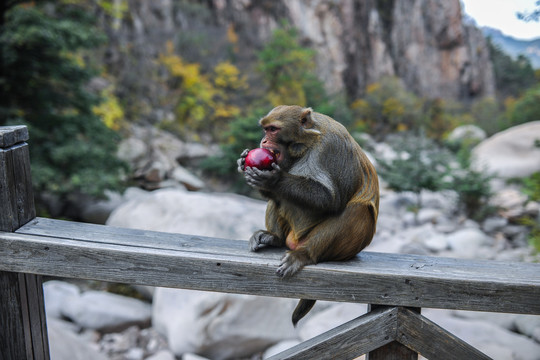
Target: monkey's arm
x=310, y=193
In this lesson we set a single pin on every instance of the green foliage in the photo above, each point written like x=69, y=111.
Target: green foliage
x=202, y=101
x=387, y=107
x=419, y=164
x=44, y=87
x=511, y=76
x=488, y=114
x=531, y=187
x=526, y=108
x=287, y=68
x=472, y=186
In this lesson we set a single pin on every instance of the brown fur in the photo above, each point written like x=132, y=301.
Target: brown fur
x=323, y=193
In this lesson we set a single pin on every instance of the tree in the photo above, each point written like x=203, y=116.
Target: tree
x=512, y=77
x=387, y=107
x=287, y=68
x=44, y=85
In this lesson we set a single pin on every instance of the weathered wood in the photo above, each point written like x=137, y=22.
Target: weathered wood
x=393, y=350
x=23, y=331
x=58, y=248
x=429, y=339
x=11, y=135
x=350, y=340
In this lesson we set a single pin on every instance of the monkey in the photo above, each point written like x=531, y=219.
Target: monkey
x=322, y=191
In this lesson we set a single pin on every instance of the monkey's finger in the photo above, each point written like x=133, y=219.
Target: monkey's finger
x=244, y=153
x=289, y=266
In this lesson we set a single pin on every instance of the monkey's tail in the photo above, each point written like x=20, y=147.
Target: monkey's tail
x=303, y=307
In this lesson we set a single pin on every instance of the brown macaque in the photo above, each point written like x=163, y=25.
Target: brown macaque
x=323, y=192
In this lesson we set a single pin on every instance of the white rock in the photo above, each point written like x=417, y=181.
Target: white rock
x=173, y=210
x=467, y=133
x=467, y=242
x=190, y=181
x=57, y=294
x=330, y=318
x=66, y=345
x=190, y=356
x=105, y=311
x=221, y=326
x=494, y=341
x=436, y=243
x=510, y=153
x=279, y=347
x=164, y=355
x=492, y=224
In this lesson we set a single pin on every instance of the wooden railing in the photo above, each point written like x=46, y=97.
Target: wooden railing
x=396, y=286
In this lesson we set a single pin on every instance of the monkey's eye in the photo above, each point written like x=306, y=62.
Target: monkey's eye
x=271, y=128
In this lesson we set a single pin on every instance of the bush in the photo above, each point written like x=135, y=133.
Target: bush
x=44, y=86
x=420, y=164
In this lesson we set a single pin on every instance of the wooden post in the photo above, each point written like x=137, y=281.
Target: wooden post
x=393, y=350
x=23, y=329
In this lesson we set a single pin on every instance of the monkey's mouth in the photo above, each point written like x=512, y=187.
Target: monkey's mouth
x=276, y=152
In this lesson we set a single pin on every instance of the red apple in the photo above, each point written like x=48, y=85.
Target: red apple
x=260, y=158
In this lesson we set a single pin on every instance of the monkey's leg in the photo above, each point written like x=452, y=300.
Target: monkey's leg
x=337, y=238
x=275, y=234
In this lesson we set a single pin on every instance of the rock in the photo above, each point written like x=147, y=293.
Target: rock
x=64, y=344
x=493, y=340
x=164, y=355
x=528, y=325
x=132, y=150
x=189, y=356
x=493, y=224
x=57, y=294
x=511, y=153
x=172, y=210
x=106, y=312
x=330, y=318
x=221, y=326
x=471, y=134
x=467, y=242
x=436, y=243
x=279, y=347
x=190, y=181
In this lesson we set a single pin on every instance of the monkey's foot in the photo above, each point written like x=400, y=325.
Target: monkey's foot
x=290, y=265
x=262, y=238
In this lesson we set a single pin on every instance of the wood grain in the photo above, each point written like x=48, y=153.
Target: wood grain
x=59, y=248
x=348, y=341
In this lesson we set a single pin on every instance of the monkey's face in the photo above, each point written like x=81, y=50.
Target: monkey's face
x=289, y=132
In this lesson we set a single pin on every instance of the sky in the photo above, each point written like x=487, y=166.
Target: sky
x=501, y=14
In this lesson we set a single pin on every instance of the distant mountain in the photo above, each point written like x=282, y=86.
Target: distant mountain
x=515, y=47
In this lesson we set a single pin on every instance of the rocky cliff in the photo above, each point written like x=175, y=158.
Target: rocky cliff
x=423, y=42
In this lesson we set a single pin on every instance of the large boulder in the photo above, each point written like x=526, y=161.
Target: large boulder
x=179, y=211
x=221, y=326
x=511, y=153
x=105, y=312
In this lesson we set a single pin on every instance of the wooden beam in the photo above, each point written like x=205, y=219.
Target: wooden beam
x=429, y=339
x=23, y=334
x=347, y=341
x=59, y=248
x=393, y=350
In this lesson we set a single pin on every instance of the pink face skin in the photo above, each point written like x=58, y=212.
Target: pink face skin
x=269, y=141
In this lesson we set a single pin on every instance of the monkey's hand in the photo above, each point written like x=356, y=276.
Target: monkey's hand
x=263, y=179
x=262, y=238
x=242, y=160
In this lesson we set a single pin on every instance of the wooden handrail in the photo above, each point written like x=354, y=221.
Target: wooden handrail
x=396, y=286
x=78, y=250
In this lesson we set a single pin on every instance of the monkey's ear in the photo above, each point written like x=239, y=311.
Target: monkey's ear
x=306, y=120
